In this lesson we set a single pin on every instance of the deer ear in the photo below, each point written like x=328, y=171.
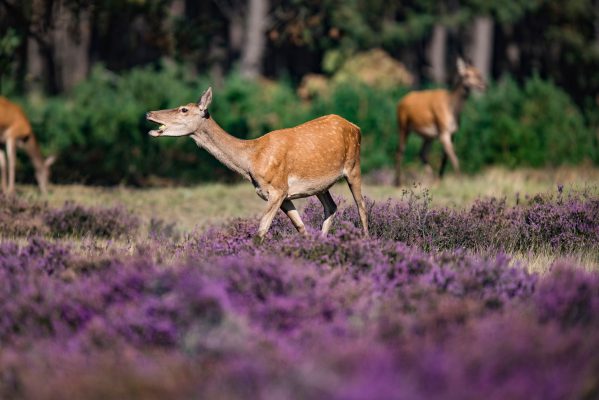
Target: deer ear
x=461, y=65
x=49, y=161
x=206, y=99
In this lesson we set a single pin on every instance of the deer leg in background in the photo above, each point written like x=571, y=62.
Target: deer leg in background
x=275, y=200
x=330, y=209
x=3, y=170
x=445, y=139
x=424, y=152
x=289, y=208
x=443, y=164
x=354, y=181
x=11, y=150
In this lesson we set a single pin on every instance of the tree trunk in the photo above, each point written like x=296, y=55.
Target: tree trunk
x=34, y=80
x=36, y=77
x=255, y=38
x=218, y=54
x=437, y=51
x=72, y=38
x=481, y=46
x=176, y=12
x=596, y=23
x=236, y=32
x=177, y=9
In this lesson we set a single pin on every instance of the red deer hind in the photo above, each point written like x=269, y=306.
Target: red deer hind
x=282, y=165
x=15, y=130
x=435, y=114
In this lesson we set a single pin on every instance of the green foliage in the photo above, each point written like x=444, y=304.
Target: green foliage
x=536, y=125
x=100, y=133
x=99, y=129
x=9, y=42
x=373, y=111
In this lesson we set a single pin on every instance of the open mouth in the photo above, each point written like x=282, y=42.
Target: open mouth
x=159, y=131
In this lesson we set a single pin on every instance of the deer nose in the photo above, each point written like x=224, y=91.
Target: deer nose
x=148, y=114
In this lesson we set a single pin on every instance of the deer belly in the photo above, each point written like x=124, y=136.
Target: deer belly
x=308, y=186
x=430, y=131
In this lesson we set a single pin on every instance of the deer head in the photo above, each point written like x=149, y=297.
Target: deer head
x=469, y=76
x=42, y=173
x=183, y=120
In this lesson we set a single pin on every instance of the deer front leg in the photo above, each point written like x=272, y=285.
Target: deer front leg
x=3, y=170
x=354, y=181
x=11, y=150
x=448, y=149
x=289, y=208
x=275, y=200
x=330, y=209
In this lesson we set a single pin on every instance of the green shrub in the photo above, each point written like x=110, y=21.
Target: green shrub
x=100, y=133
x=536, y=125
x=373, y=111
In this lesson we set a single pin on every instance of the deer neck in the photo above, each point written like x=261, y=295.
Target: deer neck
x=459, y=95
x=233, y=152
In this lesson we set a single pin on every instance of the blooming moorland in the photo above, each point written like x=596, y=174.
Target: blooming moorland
x=431, y=306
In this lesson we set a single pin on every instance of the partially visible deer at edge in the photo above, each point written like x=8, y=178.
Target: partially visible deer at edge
x=15, y=131
x=435, y=114
x=282, y=165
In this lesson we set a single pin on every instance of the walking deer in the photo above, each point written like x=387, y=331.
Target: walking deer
x=282, y=165
x=435, y=114
x=15, y=130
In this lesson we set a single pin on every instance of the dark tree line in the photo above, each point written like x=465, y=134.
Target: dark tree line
x=50, y=45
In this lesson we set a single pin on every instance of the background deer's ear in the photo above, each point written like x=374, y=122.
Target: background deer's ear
x=206, y=99
x=461, y=66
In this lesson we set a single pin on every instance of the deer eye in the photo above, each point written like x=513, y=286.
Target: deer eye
x=184, y=110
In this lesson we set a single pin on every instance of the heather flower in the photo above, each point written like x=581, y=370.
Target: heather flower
x=410, y=313
x=75, y=220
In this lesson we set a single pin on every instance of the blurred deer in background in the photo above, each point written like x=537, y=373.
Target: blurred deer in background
x=435, y=114
x=15, y=130
x=282, y=165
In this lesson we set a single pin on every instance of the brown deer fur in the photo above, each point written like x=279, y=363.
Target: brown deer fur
x=435, y=114
x=15, y=130
x=282, y=165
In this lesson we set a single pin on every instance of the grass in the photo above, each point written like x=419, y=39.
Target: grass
x=197, y=207
x=541, y=262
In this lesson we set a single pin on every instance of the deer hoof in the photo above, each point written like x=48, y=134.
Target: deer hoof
x=258, y=240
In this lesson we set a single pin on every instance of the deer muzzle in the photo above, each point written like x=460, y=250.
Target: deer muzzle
x=155, y=132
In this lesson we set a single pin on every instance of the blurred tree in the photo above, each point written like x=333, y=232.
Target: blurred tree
x=255, y=38
x=565, y=51
x=481, y=44
x=72, y=40
x=9, y=42
x=59, y=39
x=437, y=54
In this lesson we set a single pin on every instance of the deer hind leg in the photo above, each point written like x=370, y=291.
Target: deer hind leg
x=443, y=165
x=289, y=209
x=3, y=171
x=449, y=153
x=11, y=150
x=330, y=209
x=275, y=200
x=401, y=148
x=424, y=152
x=354, y=181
